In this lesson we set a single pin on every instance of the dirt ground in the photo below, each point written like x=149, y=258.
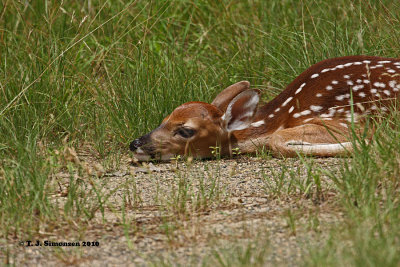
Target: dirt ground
x=203, y=212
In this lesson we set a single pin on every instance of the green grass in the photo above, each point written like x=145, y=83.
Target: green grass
x=369, y=193
x=93, y=75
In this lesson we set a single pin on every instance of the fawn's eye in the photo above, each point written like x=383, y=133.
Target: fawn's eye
x=185, y=132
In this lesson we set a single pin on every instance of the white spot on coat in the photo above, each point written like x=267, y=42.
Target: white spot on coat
x=287, y=101
x=305, y=112
x=315, y=108
x=300, y=88
x=330, y=114
x=296, y=115
x=258, y=123
x=341, y=97
x=378, y=84
x=314, y=75
x=352, y=117
x=358, y=87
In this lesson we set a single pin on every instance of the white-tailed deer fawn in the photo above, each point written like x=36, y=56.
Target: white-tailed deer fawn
x=311, y=116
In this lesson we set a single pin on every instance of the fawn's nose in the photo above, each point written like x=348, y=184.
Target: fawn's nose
x=135, y=144
x=139, y=142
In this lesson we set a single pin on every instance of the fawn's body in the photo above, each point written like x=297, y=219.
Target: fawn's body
x=312, y=115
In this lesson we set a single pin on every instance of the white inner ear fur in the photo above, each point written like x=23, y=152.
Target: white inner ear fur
x=247, y=110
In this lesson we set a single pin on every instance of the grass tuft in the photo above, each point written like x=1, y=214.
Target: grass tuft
x=89, y=76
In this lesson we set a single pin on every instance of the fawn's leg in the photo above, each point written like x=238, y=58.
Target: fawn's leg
x=310, y=139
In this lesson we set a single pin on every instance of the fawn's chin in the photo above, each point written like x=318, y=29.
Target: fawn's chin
x=158, y=157
x=142, y=157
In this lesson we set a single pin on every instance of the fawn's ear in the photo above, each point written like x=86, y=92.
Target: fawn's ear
x=241, y=110
x=223, y=99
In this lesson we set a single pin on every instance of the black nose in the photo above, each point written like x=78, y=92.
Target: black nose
x=135, y=144
x=139, y=142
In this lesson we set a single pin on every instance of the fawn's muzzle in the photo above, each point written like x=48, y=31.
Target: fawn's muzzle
x=135, y=144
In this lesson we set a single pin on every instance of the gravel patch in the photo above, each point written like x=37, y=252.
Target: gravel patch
x=187, y=213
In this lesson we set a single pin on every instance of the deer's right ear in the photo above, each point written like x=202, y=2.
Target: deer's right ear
x=223, y=99
x=241, y=110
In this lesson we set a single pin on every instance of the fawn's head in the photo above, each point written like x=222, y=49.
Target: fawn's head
x=194, y=128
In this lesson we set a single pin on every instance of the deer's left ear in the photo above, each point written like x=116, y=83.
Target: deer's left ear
x=241, y=110
x=223, y=99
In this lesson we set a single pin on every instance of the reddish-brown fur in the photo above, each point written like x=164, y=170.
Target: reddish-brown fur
x=311, y=115
x=307, y=96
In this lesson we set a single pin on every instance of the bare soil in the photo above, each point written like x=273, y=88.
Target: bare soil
x=194, y=213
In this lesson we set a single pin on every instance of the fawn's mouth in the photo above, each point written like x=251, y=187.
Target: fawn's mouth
x=141, y=155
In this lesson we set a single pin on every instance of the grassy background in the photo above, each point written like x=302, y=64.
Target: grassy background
x=98, y=73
